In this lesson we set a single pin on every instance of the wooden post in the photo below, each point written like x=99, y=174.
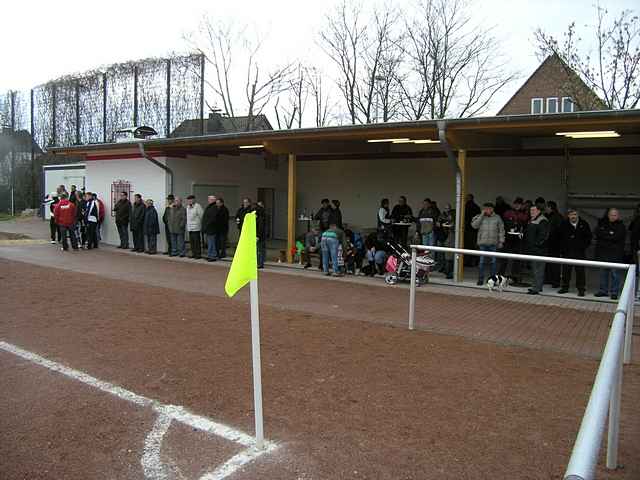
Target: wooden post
x=462, y=161
x=291, y=208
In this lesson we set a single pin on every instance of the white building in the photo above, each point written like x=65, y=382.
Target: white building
x=292, y=170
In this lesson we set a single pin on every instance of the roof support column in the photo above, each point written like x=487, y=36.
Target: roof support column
x=461, y=193
x=291, y=207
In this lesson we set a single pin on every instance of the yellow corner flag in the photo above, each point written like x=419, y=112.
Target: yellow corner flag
x=244, y=266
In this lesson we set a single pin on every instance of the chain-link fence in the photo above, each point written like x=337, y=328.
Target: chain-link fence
x=90, y=108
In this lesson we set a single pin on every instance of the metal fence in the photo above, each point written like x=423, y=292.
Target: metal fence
x=607, y=388
x=89, y=108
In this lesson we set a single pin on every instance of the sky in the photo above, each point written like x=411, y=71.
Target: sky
x=44, y=39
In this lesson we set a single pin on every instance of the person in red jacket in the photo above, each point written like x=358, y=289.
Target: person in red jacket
x=65, y=213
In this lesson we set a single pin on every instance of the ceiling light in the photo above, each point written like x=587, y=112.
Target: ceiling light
x=394, y=140
x=251, y=146
x=590, y=134
x=420, y=141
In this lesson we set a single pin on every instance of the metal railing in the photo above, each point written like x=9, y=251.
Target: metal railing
x=607, y=388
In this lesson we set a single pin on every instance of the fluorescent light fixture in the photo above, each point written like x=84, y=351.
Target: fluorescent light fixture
x=251, y=146
x=394, y=140
x=590, y=134
x=420, y=141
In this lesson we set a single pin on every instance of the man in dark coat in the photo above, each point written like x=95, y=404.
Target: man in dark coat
x=552, y=271
x=210, y=227
x=471, y=210
x=501, y=206
x=610, y=239
x=515, y=222
x=53, y=200
x=222, y=227
x=261, y=233
x=92, y=217
x=336, y=214
x=634, y=228
x=401, y=213
x=242, y=211
x=536, y=237
x=575, y=237
x=324, y=215
x=137, y=223
x=151, y=227
x=165, y=221
x=122, y=210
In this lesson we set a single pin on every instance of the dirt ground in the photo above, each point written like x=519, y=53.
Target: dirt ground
x=13, y=236
x=343, y=399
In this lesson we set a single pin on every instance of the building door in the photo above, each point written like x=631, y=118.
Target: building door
x=268, y=197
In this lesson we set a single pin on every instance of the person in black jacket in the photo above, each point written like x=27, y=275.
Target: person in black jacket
x=336, y=214
x=536, y=237
x=92, y=218
x=610, y=239
x=471, y=210
x=401, y=213
x=151, y=227
x=53, y=200
x=634, y=228
x=552, y=271
x=324, y=215
x=261, y=233
x=137, y=223
x=242, y=211
x=210, y=227
x=165, y=221
x=575, y=237
x=122, y=210
x=222, y=227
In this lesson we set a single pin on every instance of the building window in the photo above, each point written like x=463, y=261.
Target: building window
x=536, y=105
x=567, y=104
x=117, y=188
x=552, y=105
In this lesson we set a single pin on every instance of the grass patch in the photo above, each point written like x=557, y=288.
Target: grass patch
x=5, y=216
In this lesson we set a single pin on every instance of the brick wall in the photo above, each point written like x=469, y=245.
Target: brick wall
x=552, y=79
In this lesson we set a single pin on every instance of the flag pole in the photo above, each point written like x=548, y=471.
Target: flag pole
x=257, y=374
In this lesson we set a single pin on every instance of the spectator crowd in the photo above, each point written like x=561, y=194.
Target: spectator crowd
x=77, y=218
x=524, y=227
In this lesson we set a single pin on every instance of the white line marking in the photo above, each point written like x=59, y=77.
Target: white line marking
x=167, y=413
x=237, y=462
x=151, y=463
x=78, y=375
x=198, y=422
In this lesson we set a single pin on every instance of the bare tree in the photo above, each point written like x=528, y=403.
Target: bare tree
x=376, y=87
x=224, y=47
x=323, y=106
x=454, y=67
x=296, y=96
x=344, y=40
x=613, y=72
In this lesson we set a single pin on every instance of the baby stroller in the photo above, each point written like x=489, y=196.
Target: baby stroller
x=399, y=265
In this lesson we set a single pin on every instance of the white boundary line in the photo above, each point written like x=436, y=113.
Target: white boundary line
x=153, y=467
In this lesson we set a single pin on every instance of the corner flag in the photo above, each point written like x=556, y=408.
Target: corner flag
x=244, y=269
x=244, y=266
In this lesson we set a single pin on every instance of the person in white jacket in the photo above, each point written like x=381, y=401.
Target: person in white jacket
x=194, y=225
